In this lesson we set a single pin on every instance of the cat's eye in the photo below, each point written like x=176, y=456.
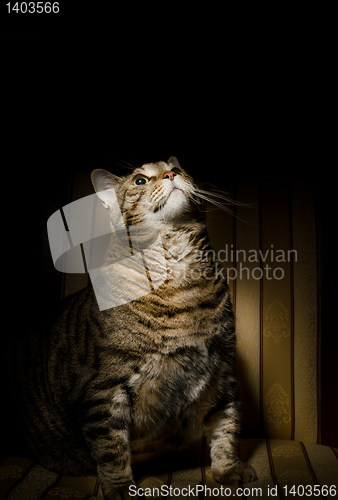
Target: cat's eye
x=177, y=171
x=139, y=180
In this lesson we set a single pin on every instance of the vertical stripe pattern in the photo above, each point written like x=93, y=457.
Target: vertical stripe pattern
x=248, y=308
x=306, y=341
x=276, y=309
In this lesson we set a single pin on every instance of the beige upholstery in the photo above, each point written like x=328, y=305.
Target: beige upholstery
x=271, y=245
x=274, y=238
x=279, y=464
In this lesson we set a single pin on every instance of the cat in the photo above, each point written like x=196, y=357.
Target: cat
x=106, y=389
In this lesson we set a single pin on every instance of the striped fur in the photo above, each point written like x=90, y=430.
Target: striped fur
x=105, y=389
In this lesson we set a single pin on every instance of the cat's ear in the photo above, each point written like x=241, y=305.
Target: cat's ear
x=103, y=182
x=173, y=161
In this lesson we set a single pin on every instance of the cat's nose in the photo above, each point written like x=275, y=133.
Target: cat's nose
x=170, y=175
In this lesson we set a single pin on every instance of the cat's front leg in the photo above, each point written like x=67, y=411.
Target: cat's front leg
x=112, y=456
x=222, y=431
x=113, y=467
x=107, y=437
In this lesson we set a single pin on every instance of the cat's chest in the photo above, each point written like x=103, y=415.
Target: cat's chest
x=167, y=386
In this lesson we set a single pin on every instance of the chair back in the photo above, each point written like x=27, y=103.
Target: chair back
x=271, y=252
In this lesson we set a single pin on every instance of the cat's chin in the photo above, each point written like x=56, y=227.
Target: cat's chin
x=176, y=195
x=175, y=206
x=176, y=209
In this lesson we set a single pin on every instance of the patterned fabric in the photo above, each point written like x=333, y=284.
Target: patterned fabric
x=279, y=464
x=271, y=247
x=21, y=479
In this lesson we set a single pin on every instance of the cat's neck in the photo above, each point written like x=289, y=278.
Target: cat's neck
x=173, y=260
x=184, y=246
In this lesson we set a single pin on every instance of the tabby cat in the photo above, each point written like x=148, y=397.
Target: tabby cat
x=105, y=389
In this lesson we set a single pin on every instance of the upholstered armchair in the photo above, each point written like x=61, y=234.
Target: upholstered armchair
x=270, y=248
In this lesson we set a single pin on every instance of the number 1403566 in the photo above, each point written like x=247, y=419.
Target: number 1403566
x=309, y=490
x=33, y=7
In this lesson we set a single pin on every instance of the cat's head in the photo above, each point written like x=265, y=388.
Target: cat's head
x=152, y=195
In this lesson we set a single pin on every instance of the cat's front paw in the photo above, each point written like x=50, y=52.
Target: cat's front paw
x=236, y=475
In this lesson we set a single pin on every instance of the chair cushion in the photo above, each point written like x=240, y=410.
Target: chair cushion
x=280, y=465
x=22, y=479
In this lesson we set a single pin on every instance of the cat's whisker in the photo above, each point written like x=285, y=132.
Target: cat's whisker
x=200, y=193
x=121, y=162
x=222, y=196
x=222, y=206
x=203, y=210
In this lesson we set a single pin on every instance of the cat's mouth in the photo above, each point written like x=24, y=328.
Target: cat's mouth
x=172, y=201
x=175, y=189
